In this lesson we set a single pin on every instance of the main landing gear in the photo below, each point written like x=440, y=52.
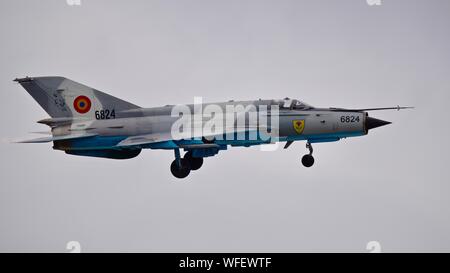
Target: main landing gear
x=308, y=160
x=182, y=167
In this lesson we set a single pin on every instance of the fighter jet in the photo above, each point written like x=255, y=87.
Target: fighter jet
x=87, y=122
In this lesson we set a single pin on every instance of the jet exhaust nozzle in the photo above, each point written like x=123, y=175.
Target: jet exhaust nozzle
x=372, y=123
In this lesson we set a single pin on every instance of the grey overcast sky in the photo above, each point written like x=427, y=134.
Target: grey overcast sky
x=391, y=186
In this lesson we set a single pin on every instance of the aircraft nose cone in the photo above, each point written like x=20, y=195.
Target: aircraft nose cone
x=372, y=123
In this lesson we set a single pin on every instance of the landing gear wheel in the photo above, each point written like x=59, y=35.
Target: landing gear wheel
x=195, y=162
x=308, y=161
x=182, y=170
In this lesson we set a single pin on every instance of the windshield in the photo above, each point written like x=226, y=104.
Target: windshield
x=293, y=104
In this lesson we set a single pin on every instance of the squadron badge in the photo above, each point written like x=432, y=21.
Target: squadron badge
x=299, y=125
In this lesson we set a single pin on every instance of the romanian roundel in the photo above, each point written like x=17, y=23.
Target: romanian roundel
x=82, y=104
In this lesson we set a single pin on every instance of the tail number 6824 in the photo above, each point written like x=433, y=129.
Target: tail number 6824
x=105, y=114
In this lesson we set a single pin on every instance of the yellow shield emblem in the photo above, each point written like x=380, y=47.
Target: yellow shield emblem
x=299, y=125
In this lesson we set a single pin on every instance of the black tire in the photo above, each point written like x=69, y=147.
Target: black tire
x=307, y=161
x=195, y=162
x=180, y=171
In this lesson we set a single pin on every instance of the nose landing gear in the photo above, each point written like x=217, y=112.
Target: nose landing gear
x=308, y=160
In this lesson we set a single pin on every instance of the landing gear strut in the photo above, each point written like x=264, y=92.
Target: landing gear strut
x=308, y=160
x=182, y=167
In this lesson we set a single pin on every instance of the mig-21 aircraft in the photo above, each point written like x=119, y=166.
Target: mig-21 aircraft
x=87, y=122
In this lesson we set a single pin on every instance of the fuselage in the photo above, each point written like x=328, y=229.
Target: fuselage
x=87, y=122
x=315, y=124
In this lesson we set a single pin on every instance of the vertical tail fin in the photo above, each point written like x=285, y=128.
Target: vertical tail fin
x=62, y=98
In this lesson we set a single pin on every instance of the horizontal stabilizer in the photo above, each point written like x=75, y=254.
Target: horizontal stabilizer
x=53, y=122
x=56, y=138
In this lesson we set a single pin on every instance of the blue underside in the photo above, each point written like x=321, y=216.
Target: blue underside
x=110, y=142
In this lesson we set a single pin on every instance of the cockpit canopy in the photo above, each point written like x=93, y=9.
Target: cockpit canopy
x=293, y=104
